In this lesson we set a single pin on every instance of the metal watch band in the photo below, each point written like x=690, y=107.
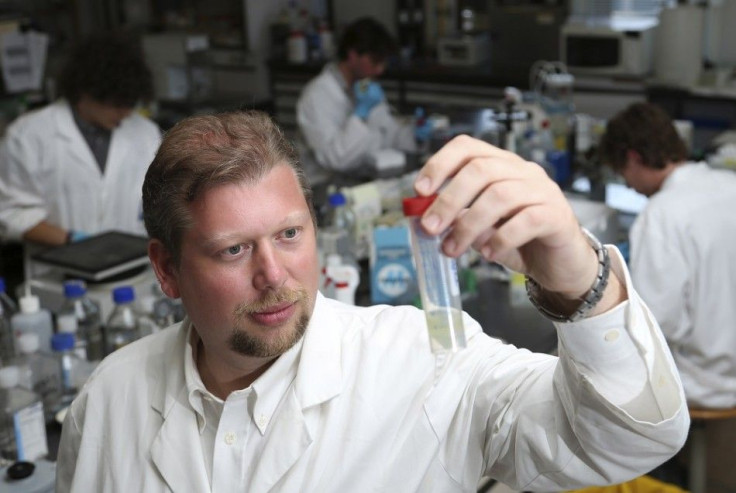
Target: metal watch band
x=591, y=299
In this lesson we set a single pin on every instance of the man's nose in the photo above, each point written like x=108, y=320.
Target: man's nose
x=269, y=268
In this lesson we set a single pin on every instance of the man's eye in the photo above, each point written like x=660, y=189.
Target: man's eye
x=234, y=250
x=290, y=233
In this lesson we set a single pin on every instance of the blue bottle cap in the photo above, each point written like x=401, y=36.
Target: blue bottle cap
x=74, y=288
x=123, y=294
x=62, y=341
x=336, y=199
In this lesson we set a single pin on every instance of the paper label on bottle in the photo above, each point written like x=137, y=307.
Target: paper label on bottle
x=30, y=433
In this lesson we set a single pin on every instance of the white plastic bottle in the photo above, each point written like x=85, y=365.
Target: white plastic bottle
x=33, y=318
x=22, y=426
x=343, y=278
x=88, y=315
x=122, y=325
x=39, y=372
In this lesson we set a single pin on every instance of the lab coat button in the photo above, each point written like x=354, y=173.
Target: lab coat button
x=229, y=438
x=262, y=421
x=611, y=335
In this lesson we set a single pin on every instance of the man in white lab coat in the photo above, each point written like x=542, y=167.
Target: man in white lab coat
x=270, y=386
x=682, y=259
x=75, y=167
x=342, y=113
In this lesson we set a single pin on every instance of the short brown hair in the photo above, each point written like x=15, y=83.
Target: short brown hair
x=202, y=152
x=646, y=129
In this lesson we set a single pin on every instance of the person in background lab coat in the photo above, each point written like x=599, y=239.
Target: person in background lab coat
x=682, y=259
x=75, y=167
x=342, y=113
x=270, y=386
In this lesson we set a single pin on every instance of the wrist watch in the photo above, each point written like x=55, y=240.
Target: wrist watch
x=592, y=297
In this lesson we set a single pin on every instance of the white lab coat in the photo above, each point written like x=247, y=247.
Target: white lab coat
x=49, y=173
x=333, y=138
x=371, y=409
x=683, y=264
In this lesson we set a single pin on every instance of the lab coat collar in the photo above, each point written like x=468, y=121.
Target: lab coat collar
x=318, y=379
x=67, y=128
x=683, y=174
x=334, y=69
x=182, y=471
x=319, y=375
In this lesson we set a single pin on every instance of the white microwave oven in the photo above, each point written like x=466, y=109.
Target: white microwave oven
x=607, y=50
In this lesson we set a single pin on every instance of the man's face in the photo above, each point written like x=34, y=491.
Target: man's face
x=104, y=115
x=249, y=272
x=638, y=176
x=365, y=66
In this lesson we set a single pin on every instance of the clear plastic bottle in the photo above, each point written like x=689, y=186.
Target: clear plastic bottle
x=438, y=281
x=22, y=426
x=122, y=326
x=33, y=318
x=147, y=323
x=338, y=235
x=67, y=324
x=88, y=315
x=8, y=308
x=39, y=372
x=69, y=366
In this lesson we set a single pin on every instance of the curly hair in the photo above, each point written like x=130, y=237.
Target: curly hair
x=108, y=68
x=202, y=152
x=367, y=36
x=646, y=129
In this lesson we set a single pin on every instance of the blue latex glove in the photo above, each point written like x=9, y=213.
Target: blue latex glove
x=367, y=96
x=75, y=236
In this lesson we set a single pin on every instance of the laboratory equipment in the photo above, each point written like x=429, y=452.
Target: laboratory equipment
x=438, y=281
x=105, y=262
x=39, y=372
x=69, y=366
x=614, y=46
x=27, y=477
x=22, y=427
x=341, y=279
x=393, y=276
x=338, y=235
x=466, y=50
x=122, y=327
x=88, y=317
x=7, y=310
x=32, y=319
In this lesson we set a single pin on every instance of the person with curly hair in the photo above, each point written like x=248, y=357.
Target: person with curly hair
x=75, y=167
x=681, y=258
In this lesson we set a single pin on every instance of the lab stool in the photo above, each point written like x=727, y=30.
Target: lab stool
x=697, y=462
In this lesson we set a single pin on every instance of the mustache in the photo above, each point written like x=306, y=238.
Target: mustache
x=268, y=300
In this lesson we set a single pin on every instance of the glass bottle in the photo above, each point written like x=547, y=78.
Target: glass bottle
x=89, y=318
x=122, y=325
x=8, y=308
x=22, y=426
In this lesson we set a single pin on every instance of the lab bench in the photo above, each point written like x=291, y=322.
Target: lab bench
x=429, y=84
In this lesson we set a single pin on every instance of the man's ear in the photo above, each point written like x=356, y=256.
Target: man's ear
x=164, y=268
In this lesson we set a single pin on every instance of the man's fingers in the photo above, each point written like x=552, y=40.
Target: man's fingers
x=452, y=157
